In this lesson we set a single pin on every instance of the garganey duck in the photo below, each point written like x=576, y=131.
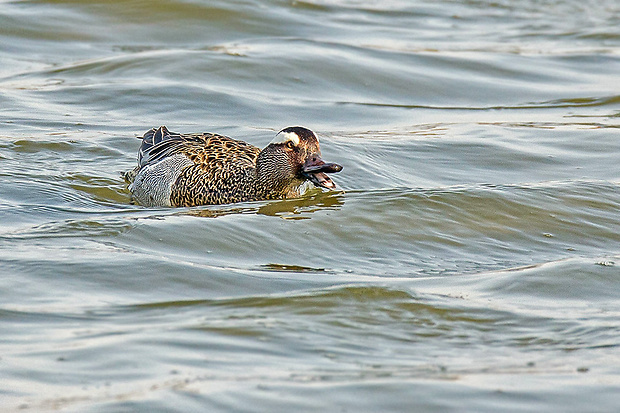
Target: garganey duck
x=206, y=169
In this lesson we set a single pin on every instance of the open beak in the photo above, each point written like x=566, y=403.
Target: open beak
x=315, y=169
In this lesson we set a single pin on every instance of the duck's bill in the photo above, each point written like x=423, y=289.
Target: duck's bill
x=316, y=170
x=322, y=167
x=321, y=179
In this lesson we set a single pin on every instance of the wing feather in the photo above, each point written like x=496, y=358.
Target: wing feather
x=208, y=150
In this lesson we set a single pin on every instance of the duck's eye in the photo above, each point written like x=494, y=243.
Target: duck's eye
x=290, y=145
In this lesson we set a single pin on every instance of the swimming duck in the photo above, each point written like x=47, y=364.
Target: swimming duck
x=206, y=169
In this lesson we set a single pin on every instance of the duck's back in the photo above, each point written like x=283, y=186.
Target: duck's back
x=194, y=169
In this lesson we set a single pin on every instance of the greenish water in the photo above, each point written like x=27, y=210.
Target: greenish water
x=467, y=263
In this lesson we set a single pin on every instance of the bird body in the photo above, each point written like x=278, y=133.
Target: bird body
x=206, y=168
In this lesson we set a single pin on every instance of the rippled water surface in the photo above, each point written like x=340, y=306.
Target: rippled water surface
x=467, y=263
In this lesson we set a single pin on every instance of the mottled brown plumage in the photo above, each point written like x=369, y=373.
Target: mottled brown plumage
x=201, y=169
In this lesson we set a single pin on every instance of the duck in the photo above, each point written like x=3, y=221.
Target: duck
x=186, y=170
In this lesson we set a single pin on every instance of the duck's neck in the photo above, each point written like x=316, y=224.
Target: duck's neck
x=274, y=180
x=267, y=188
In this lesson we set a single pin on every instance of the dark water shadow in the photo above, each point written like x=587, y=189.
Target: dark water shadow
x=297, y=208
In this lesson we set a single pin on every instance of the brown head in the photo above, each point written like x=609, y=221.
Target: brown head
x=293, y=157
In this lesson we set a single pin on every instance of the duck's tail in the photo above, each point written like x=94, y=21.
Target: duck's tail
x=149, y=139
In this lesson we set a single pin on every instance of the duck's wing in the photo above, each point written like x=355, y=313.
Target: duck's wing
x=208, y=150
x=157, y=144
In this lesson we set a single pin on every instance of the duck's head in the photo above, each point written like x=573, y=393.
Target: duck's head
x=293, y=156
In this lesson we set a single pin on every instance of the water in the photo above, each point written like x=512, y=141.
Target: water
x=468, y=262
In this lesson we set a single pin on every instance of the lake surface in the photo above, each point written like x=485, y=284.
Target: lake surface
x=468, y=262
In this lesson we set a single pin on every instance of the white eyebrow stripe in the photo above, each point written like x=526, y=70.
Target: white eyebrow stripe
x=284, y=137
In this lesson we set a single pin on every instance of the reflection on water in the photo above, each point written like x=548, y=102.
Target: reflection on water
x=466, y=263
x=298, y=208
